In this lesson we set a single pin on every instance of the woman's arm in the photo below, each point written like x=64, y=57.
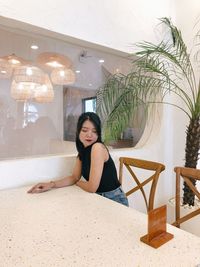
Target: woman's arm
x=99, y=155
x=66, y=181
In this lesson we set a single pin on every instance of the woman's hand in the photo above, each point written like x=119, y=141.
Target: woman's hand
x=41, y=187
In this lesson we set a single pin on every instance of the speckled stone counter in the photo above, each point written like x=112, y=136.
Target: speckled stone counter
x=69, y=227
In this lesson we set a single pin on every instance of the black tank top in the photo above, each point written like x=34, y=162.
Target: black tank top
x=109, y=180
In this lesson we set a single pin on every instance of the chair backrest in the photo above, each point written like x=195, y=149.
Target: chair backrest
x=131, y=164
x=185, y=174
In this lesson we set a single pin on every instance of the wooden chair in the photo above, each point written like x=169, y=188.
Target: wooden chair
x=186, y=174
x=131, y=164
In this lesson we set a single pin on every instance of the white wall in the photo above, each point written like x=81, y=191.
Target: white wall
x=20, y=172
x=191, y=11
x=115, y=24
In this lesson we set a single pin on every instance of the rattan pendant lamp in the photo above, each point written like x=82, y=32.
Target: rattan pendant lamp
x=22, y=91
x=5, y=69
x=60, y=66
x=8, y=64
x=26, y=80
x=53, y=60
x=14, y=60
x=29, y=73
x=44, y=93
x=62, y=76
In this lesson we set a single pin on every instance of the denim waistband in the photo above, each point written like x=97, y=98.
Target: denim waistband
x=117, y=195
x=112, y=191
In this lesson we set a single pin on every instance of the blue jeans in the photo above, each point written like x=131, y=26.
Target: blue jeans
x=117, y=195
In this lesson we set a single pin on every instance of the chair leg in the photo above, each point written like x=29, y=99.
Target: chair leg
x=178, y=200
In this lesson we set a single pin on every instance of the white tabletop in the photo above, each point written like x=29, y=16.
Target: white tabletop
x=69, y=227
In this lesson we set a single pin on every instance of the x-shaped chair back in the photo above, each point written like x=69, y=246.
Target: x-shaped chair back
x=130, y=164
x=186, y=174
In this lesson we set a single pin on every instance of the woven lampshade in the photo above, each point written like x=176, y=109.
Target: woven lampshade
x=14, y=60
x=62, y=76
x=26, y=80
x=30, y=74
x=5, y=69
x=53, y=60
x=44, y=93
x=22, y=91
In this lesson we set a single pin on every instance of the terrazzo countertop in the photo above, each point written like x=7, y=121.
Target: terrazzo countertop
x=68, y=227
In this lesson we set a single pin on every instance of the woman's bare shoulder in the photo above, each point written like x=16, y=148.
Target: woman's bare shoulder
x=99, y=146
x=100, y=150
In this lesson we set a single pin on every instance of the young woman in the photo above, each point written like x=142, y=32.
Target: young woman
x=93, y=162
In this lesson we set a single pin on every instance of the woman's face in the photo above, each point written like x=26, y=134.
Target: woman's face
x=88, y=134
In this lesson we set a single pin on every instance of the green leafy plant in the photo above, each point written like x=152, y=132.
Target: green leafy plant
x=161, y=69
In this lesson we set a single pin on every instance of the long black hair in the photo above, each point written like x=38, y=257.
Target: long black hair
x=94, y=118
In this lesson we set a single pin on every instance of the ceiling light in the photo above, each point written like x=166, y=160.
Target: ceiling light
x=54, y=64
x=22, y=91
x=5, y=69
x=34, y=47
x=62, y=76
x=101, y=60
x=29, y=73
x=44, y=93
x=77, y=71
x=53, y=60
x=14, y=60
x=30, y=83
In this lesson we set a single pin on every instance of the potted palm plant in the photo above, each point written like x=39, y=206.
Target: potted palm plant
x=160, y=69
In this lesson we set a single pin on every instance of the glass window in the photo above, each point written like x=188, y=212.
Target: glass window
x=89, y=104
x=30, y=114
x=31, y=127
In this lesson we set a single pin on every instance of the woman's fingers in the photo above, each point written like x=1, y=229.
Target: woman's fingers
x=31, y=189
x=38, y=188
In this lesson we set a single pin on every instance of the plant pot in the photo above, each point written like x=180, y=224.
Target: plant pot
x=191, y=225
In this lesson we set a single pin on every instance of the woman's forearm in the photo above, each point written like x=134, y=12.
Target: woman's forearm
x=42, y=187
x=86, y=186
x=69, y=180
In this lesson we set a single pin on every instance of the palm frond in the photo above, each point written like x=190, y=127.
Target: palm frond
x=172, y=54
x=160, y=70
